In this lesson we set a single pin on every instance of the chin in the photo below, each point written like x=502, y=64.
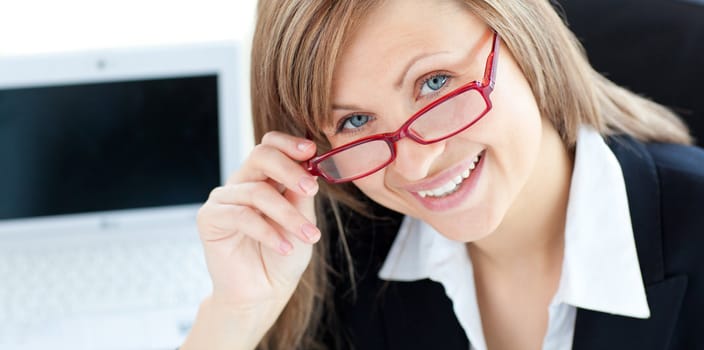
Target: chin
x=466, y=237
x=468, y=228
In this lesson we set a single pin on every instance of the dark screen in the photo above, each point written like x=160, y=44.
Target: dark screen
x=108, y=146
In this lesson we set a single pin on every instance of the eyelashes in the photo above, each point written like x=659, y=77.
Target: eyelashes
x=352, y=123
x=432, y=84
x=426, y=89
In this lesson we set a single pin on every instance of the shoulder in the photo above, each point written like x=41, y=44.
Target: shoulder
x=665, y=189
x=671, y=171
x=679, y=170
x=672, y=159
x=665, y=185
x=680, y=173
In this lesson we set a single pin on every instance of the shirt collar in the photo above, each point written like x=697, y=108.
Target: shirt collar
x=600, y=266
x=600, y=269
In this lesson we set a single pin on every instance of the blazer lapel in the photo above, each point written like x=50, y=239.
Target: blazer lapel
x=596, y=330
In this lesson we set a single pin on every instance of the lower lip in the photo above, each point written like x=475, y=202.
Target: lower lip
x=454, y=199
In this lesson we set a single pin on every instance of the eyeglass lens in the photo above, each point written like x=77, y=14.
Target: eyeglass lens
x=445, y=119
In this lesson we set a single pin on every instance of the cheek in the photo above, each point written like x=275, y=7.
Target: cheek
x=517, y=152
x=512, y=133
x=517, y=119
x=374, y=187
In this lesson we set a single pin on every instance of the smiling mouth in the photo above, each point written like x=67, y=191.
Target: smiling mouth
x=453, y=185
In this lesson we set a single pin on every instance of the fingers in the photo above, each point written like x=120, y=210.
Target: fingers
x=270, y=199
x=270, y=203
x=222, y=221
x=295, y=147
x=266, y=162
x=278, y=158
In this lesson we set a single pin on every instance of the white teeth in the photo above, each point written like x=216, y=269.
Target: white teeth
x=439, y=191
x=449, y=186
x=452, y=185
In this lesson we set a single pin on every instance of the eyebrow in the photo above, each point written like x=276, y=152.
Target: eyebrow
x=401, y=79
x=412, y=62
x=347, y=107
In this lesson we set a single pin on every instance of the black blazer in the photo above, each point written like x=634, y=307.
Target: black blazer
x=665, y=186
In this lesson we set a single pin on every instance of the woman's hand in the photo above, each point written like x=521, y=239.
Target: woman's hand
x=258, y=229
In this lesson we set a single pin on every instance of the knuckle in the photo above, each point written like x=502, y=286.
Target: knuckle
x=200, y=215
x=215, y=193
x=264, y=194
x=267, y=138
x=258, y=187
x=211, y=224
x=253, y=190
x=205, y=212
x=212, y=231
x=241, y=212
x=261, y=150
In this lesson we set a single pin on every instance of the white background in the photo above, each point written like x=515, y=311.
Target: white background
x=33, y=26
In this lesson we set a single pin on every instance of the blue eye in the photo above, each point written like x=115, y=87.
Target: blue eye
x=433, y=84
x=354, y=122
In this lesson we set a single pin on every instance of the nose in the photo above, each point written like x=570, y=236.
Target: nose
x=413, y=160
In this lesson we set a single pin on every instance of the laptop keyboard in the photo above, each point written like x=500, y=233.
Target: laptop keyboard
x=43, y=284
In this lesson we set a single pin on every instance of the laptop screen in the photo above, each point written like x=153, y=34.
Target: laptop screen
x=108, y=146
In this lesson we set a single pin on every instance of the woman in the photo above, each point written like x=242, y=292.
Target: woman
x=507, y=196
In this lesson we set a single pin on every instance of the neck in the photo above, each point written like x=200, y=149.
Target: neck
x=531, y=236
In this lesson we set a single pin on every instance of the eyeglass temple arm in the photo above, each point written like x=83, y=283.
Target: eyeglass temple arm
x=490, y=73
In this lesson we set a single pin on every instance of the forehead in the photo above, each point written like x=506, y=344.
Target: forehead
x=397, y=31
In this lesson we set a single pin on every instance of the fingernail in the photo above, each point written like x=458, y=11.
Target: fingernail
x=285, y=248
x=311, y=232
x=307, y=185
x=304, y=146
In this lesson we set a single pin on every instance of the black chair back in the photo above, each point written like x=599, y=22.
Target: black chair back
x=653, y=47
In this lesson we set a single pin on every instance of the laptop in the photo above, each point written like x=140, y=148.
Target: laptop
x=105, y=157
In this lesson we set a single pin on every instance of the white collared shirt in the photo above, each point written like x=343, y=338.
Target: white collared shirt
x=600, y=269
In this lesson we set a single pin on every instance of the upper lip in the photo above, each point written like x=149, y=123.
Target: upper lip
x=443, y=177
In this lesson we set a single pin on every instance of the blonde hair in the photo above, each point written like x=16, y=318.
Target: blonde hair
x=295, y=49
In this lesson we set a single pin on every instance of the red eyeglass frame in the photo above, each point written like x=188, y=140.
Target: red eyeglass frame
x=485, y=88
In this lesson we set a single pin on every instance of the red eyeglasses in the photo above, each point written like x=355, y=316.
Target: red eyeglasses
x=441, y=119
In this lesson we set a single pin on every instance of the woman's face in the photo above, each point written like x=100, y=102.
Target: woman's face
x=406, y=54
